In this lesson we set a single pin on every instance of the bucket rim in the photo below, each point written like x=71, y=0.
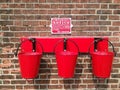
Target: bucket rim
x=30, y=53
x=102, y=53
x=66, y=53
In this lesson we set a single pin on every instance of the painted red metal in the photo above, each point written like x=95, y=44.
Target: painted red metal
x=82, y=43
x=103, y=45
x=48, y=44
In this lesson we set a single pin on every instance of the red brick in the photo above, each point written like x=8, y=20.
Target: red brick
x=6, y=87
x=92, y=6
x=19, y=87
x=6, y=82
x=43, y=6
x=104, y=1
x=113, y=86
x=42, y=1
x=104, y=6
x=79, y=86
x=76, y=1
x=54, y=81
x=91, y=86
x=55, y=12
x=114, y=6
x=16, y=5
x=55, y=86
x=30, y=12
x=112, y=17
x=114, y=28
x=116, y=1
x=66, y=6
x=79, y=5
x=116, y=23
x=29, y=1
x=8, y=1
x=116, y=12
x=79, y=11
x=18, y=82
x=104, y=11
x=31, y=87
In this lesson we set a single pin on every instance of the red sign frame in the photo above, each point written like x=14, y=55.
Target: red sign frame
x=61, y=25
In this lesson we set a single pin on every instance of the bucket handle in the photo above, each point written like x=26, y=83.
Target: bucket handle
x=65, y=42
x=30, y=39
x=101, y=39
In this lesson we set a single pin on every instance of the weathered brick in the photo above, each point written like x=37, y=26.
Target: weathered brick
x=4, y=17
x=42, y=1
x=31, y=87
x=103, y=23
x=114, y=6
x=6, y=82
x=19, y=87
x=6, y=77
x=18, y=28
x=76, y=1
x=5, y=28
x=116, y=12
x=79, y=11
x=79, y=86
x=8, y=34
x=116, y=23
x=2, y=1
x=55, y=12
x=29, y=1
x=5, y=87
x=55, y=86
x=92, y=6
x=104, y=6
x=114, y=28
x=6, y=11
x=43, y=86
x=17, y=17
x=116, y=1
x=104, y=11
x=104, y=1
x=18, y=82
x=54, y=81
x=17, y=5
x=66, y=6
x=103, y=17
x=112, y=17
x=4, y=23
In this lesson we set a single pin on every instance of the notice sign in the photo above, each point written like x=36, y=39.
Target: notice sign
x=61, y=25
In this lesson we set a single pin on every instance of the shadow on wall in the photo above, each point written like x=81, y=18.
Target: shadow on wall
x=76, y=80
x=100, y=83
x=43, y=78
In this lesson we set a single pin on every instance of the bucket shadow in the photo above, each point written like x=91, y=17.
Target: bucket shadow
x=43, y=78
x=100, y=83
x=74, y=81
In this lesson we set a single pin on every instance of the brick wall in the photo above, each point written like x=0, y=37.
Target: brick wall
x=19, y=18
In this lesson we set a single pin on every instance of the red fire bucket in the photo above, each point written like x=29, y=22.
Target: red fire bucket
x=66, y=62
x=102, y=62
x=29, y=64
x=29, y=61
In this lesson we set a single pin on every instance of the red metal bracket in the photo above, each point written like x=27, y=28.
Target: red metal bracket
x=48, y=44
